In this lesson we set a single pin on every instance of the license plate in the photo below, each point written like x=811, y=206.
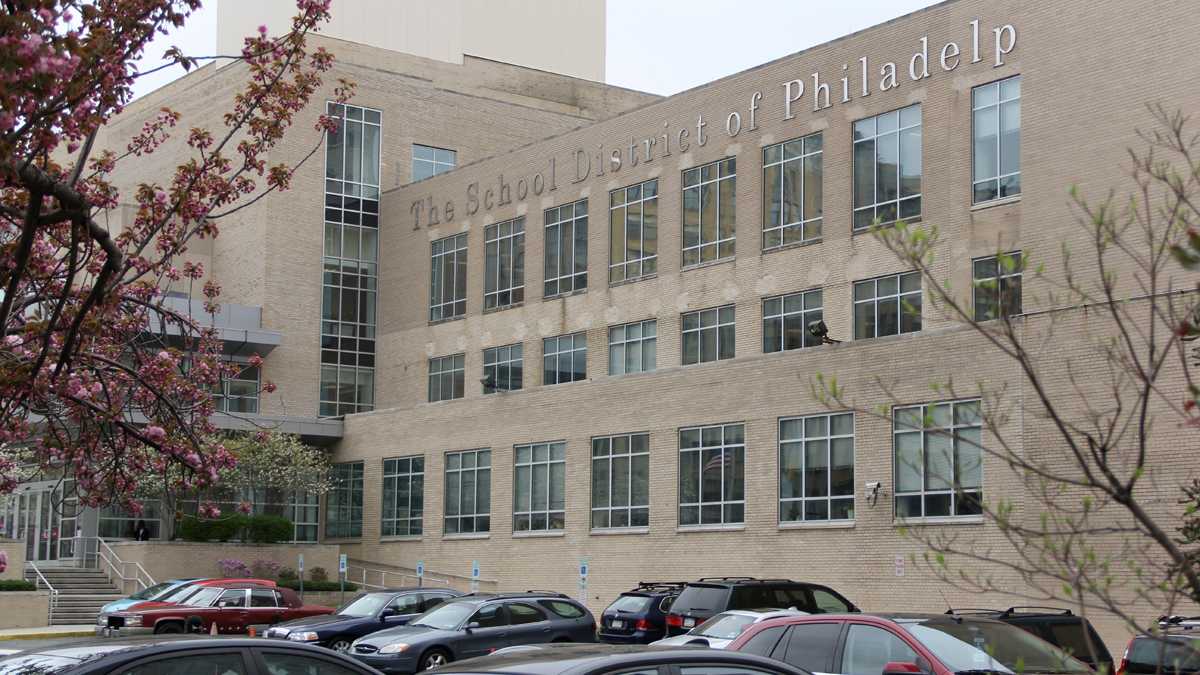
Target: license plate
x=689, y=623
x=618, y=624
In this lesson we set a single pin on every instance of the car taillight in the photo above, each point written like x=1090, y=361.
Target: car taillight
x=642, y=624
x=675, y=620
x=1125, y=659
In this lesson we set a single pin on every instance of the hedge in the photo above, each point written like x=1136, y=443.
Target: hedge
x=316, y=586
x=260, y=529
x=16, y=585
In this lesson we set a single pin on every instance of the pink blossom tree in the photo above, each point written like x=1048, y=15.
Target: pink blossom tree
x=83, y=393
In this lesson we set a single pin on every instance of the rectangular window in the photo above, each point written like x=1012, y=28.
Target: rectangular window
x=504, y=264
x=503, y=368
x=564, y=358
x=344, y=502
x=792, y=192
x=786, y=319
x=633, y=232
x=403, y=496
x=816, y=468
x=939, y=459
x=446, y=378
x=996, y=127
x=887, y=167
x=709, y=212
x=350, y=261
x=539, y=487
x=621, y=481
x=712, y=467
x=448, y=278
x=468, y=492
x=239, y=394
x=997, y=285
x=566, y=249
x=887, y=305
x=633, y=347
x=708, y=335
x=429, y=161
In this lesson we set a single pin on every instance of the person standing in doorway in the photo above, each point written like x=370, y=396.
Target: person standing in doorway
x=141, y=532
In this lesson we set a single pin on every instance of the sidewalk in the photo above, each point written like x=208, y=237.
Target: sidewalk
x=47, y=632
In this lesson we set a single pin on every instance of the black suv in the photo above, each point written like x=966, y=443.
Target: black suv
x=1059, y=627
x=475, y=625
x=701, y=600
x=1176, y=647
x=639, y=616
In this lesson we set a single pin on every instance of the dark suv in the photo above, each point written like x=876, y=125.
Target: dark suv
x=475, y=625
x=1176, y=647
x=702, y=599
x=639, y=616
x=1059, y=627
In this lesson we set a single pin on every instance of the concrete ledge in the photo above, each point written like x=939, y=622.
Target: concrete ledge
x=24, y=609
x=47, y=632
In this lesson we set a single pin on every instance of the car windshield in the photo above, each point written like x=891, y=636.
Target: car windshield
x=1176, y=656
x=179, y=594
x=367, y=605
x=204, y=597
x=630, y=604
x=446, y=616
x=972, y=646
x=151, y=591
x=696, y=598
x=723, y=626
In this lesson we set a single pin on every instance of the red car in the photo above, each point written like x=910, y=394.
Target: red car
x=905, y=644
x=233, y=607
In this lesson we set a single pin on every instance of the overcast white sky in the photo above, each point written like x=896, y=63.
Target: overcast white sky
x=659, y=46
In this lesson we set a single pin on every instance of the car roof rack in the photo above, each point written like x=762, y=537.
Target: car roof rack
x=1037, y=609
x=971, y=610
x=1179, y=620
x=660, y=585
x=728, y=579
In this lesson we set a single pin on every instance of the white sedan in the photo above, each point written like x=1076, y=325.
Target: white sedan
x=724, y=628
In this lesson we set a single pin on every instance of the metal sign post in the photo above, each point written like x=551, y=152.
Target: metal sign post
x=342, y=576
x=474, y=576
x=300, y=568
x=584, y=566
x=420, y=572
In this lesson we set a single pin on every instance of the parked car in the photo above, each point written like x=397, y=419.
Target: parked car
x=234, y=608
x=475, y=625
x=602, y=659
x=703, y=599
x=361, y=616
x=156, y=592
x=1060, y=627
x=1175, y=650
x=639, y=616
x=895, y=644
x=720, y=630
x=113, y=619
x=183, y=655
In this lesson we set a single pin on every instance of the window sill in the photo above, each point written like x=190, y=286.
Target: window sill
x=560, y=296
x=788, y=247
x=466, y=537
x=819, y=525
x=342, y=540
x=461, y=317
x=1003, y=201
x=402, y=537
x=493, y=310
x=710, y=263
x=939, y=520
x=867, y=230
x=684, y=529
x=634, y=280
x=538, y=535
x=617, y=531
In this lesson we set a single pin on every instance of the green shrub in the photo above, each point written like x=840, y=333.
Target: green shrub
x=267, y=529
x=260, y=529
x=315, y=586
x=318, y=574
x=287, y=573
x=16, y=585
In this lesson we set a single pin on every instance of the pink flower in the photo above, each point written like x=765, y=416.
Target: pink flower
x=245, y=507
x=209, y=510
x=155, y=434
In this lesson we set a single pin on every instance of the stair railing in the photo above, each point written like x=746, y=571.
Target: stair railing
x=40, y=581
x=376, y=579
x=121, y=573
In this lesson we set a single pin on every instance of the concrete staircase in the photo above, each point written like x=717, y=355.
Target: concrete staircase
x=81, y=593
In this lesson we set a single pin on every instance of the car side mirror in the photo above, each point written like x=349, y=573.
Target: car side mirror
x=388, y=612
x=222, y=605
x=902, y=668
x=472, y=626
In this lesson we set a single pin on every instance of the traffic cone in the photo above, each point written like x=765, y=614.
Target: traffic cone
x=212, y=628
x=251, y=631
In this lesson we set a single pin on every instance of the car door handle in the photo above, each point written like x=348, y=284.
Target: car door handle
x=545, y=630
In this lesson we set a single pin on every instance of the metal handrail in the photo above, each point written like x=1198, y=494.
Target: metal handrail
x=403, y=576
x=42, y=580
x=114, y=568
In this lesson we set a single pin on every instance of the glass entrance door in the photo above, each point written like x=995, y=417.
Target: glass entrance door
x=35, y=513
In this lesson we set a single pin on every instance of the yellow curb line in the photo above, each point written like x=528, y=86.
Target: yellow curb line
x=46, y=636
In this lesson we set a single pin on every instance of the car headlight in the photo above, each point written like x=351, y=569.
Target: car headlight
x=394, y=648
x=102, y=620
x=303, y=636
x=131, y=620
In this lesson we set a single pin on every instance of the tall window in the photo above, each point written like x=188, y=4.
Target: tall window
x=887, y=167
x=816, y=468
x=429, y=161
x=712, y=467
x=468, y=492
x=503, y=368
x=709, y=212
x=350, y=262
x=633, y=232
x=997, y=285
x=564, y=358
x=887, y=305
x=792, y=192
x=708, y=335
x=996, y=126
x=566, y=249
x=446, y=378
x=239, y=394
x=403, y=496
x=621, y=481
x=633, y=347
x=939, y=459
x=504, y=264
x=448, y=278
x=786, y=319
x=344, y=502
x=539, y=487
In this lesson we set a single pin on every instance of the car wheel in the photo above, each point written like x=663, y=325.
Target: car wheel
x=340, y=645
x=434, y=658
x=170, y=627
